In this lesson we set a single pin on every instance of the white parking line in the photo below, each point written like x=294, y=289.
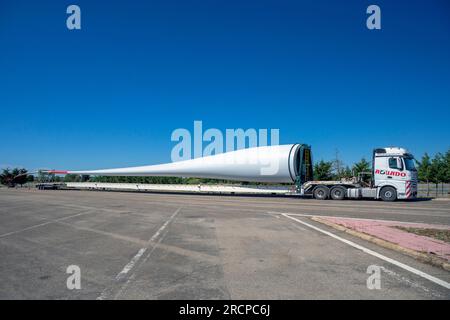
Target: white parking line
x=375, y=254
x=133, y=275
x=141, y=251
x=397, y=213
x=349, y=218
x=408, y=282
x=130, y=265
x=44, y=223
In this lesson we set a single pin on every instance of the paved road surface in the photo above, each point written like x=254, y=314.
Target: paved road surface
x=178, y=246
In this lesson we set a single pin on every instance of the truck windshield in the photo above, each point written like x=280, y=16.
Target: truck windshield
x=409, y=164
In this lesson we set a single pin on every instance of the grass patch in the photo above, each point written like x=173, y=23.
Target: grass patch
x=443, y=235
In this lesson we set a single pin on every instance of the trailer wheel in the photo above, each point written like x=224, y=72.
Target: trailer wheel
x=321, y=193
x=388, y=194
x=338, y=193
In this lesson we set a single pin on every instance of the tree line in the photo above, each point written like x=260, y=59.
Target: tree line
x=430, y=170
x=11, y=177
x=334, y=170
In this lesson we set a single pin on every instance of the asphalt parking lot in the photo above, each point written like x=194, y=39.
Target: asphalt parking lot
x=180, y=246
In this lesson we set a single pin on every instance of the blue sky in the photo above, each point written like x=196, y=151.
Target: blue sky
x=111, y=93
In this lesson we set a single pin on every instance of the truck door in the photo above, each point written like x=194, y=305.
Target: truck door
x=380, y=167
x=389, y=170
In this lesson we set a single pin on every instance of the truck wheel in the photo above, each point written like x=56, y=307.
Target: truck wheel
x=388, y=194
x=321, y=193
x=338, y=193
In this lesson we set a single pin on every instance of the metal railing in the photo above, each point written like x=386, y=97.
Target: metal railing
x=440, y=190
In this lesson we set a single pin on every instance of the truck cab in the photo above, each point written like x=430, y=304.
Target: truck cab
x=393, y=177
x=394, y=174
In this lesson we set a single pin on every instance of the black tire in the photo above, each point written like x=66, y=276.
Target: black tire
x=321, y=193
x=338, y=193
x=388, y=194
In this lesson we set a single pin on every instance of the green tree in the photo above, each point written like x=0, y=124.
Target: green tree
x=323, y=171
x=424, y=171
x=6, y=177
x=15, y=176
x=44, y=176
x=20, y=176
x=438, y=170
x=338, y=168
x=72, y=178
x=347, y=173
x=363, y=166
x=446, y=159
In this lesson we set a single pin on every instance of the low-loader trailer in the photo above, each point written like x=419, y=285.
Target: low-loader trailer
x=393, y=175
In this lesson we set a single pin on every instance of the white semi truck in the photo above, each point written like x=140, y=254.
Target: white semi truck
x=393, y=177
